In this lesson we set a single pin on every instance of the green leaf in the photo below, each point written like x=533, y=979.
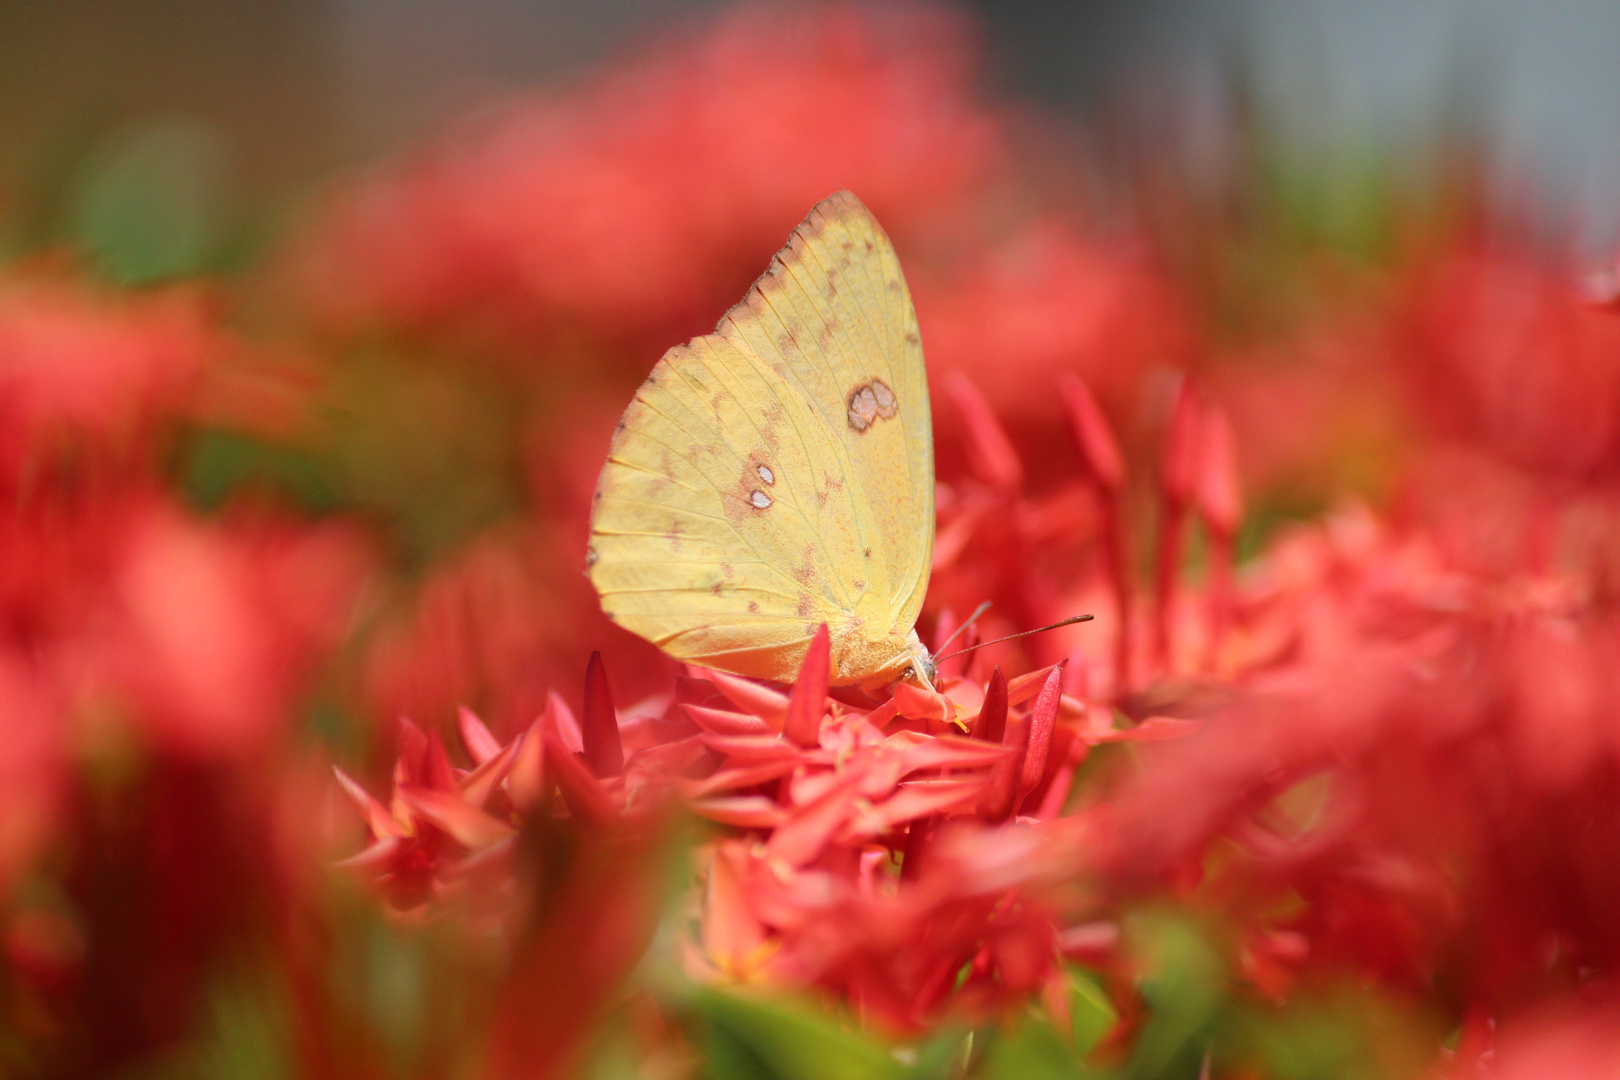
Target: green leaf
x=148, y=203
x=1033, y=1050
x=1185, y=986
x=939, y=1057
x=754, y=1038
x=1091, y=1012
x=218, y=463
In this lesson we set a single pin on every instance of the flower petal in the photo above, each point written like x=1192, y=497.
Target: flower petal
x=480, y=744
x=466, y=824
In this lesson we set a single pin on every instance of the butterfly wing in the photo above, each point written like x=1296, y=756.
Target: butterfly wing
x=778, y=473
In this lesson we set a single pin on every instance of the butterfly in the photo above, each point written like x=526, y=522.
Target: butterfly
x=778, y=474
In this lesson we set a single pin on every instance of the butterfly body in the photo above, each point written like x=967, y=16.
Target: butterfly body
x=778, y=474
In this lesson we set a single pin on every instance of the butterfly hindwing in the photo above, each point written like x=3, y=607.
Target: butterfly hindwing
x=838, y=317
x=753, y=492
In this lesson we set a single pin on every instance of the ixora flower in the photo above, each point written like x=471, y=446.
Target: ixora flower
x=640, y=198
x=848, y=830
x=915, y=857
x=86, y=373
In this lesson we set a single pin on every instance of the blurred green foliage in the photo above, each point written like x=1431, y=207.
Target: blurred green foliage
x=150, y=202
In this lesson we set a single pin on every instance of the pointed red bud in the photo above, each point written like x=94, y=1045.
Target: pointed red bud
x=477, y=785
x=587, y=799
x=809, y=698
x=1000, y=798
x=1183, y=447
x=467, y=825
x=600, y=730
x=376, y=815
x=436, y=772
x=558, y=718
x=1042, y=719
x=475, y=736
x=1220, y=498
x=992, y=722
x=991, y=452
x=916, y=841
x=1092, y=434
x=750, y=697
x=525, y=784
x=413, y=744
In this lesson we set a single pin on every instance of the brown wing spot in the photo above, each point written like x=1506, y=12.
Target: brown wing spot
x=828, y=329
x=887, y=406
x=803, y=608
x=806, y=573
x=727, y=570
x=912, y=339
x=753, y=607
x=832, y=284
x=867, y=552
x=863, y=407
x=715, y=588
x=858, y=583
x=871, y=402
x=870, y=247
x=666, y=474
x=774, y=414
x=894, y=286
x=590, y=557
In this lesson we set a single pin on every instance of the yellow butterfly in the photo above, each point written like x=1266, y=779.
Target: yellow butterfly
x=778, y=473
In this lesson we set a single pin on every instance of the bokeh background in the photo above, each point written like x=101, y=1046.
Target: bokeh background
x=291, y=91
x=1283, y=336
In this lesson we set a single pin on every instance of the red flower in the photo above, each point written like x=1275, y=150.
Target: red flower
x=1511, y=356
x=86, y=374
x=642, y=200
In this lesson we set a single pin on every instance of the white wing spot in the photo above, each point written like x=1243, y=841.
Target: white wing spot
x=760, y=499
x=766, y=475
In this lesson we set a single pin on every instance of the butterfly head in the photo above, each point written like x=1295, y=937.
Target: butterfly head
x=914, y=665
x=921, y=670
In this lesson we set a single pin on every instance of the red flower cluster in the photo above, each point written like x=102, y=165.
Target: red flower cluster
x=933, y=820
x=1413, y=777
x=1372, y=750
x=641, y=200
x=135, y=635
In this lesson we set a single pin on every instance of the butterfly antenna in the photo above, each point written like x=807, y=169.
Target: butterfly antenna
x=1009, y=637
x=980, y=610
